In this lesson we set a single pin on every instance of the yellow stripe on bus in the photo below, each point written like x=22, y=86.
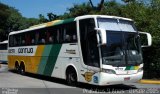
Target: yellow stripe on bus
x=31, y=62
x=52, y=22
x=136, y=67
x=36, y=60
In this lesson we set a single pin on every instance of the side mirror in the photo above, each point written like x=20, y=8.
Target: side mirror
x=101, y=36
x=146, y=39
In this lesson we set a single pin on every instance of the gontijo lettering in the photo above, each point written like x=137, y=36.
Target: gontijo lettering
x=25, y=50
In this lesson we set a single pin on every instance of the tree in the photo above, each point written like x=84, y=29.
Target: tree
x=12, y=20
x=4, y=14
x=78, y=10
x=112, y=8
x=27, y=22
x=128, y=1
x=52, y=16
x=99, y=7
x=42, y=19
x=91, y=4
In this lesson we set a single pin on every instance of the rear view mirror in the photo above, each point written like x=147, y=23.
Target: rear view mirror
x=101, y=33
x=146, y=39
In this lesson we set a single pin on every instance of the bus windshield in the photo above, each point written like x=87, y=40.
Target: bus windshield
x=123, y=47
x=118, y=24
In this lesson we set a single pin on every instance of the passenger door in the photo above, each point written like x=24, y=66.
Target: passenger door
x=89, y=49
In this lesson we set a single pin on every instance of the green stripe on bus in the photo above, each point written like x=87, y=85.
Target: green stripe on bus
x=44, y=59
x=68, y=20
x=65, y=21
x=52, y=59
x=130, y=68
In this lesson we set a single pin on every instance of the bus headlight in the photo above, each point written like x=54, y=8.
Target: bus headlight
x=140, y=69
x=108, y=71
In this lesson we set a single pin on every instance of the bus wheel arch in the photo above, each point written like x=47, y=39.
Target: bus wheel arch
x=22, y=68
x=71, y=76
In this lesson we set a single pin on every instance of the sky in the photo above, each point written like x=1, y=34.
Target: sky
x=32, y=8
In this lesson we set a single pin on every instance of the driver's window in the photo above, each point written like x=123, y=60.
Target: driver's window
x=93, y=53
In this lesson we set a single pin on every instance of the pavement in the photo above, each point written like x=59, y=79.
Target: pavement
x=13, y=83
x=143, y=81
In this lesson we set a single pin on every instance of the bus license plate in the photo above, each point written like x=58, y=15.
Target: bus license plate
x=126, y=78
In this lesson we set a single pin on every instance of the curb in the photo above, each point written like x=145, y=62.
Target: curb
x=149, y=81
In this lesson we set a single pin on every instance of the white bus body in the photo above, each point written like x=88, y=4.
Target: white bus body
x=3, y=51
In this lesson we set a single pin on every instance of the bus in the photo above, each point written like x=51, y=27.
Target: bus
x=3, y=51
x=94, y=49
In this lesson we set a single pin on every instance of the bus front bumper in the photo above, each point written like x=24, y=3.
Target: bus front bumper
x=112, y=79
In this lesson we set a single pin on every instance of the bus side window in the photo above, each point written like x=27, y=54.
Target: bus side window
x=42, y=39
x=27, y=39
x=49, y=37
x=11, y=41
x=37, y=38
x=54, y=35
x=32, y=33
x=58, y=36
x=22, y=39
x=15, y=40
x=70, y=35
x=74, y=38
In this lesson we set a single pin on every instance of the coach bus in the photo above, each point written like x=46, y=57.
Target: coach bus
x=94, y=49
x=3, y=51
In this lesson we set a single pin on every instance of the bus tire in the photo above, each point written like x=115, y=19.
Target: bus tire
x=22, y=69
x=16, y=67
x=71, y=76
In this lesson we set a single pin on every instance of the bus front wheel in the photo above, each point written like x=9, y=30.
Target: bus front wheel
x=71, y=77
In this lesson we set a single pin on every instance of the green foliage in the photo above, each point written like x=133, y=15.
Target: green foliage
x=42, y=19
x=4, y=14
x=12, y=20
x=78, y=10
x=52, y=16
x=112, y=8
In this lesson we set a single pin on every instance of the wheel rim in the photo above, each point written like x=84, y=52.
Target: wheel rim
x=71, y=78
x=22, y=71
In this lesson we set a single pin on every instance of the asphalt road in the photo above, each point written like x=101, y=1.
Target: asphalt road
x=13, y=83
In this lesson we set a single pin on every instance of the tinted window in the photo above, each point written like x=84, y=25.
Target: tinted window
x=69, y=34
x=64, y=33
x=3, y=46
x=114, y=44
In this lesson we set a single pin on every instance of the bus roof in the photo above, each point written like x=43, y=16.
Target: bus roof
x=58, y=22
x=101, y=16
x=43, y=25
x=4, y=42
